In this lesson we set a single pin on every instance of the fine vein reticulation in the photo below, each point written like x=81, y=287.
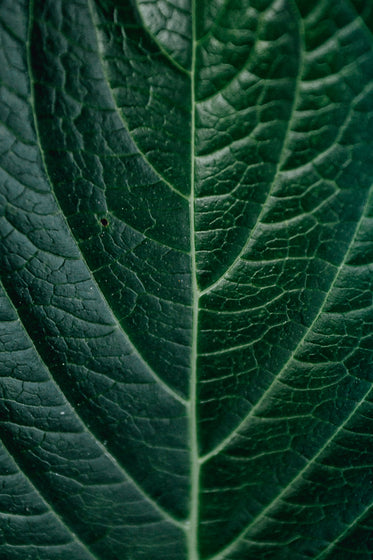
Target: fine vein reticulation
x=186, y=310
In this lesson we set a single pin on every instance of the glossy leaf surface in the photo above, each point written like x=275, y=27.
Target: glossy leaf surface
x=186, y=228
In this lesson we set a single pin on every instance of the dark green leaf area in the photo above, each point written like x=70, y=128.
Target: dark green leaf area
x=140, y=262
x=151, y=93
x=23, y=514
x=365, y=11
x=241, y=125
x=294, y=267
x=267, y=319
x=95, y=366
x=170, y=24
x=274, y=290
x=186, y=317
x=102, y=373
x=316, y=416
x=72, y=487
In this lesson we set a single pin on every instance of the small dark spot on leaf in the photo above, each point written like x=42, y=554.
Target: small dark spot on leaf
x=104, y=222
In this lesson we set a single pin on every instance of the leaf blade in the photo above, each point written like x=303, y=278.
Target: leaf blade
x=103, y=252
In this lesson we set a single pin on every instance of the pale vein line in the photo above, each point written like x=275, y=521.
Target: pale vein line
x=245, y=65
x=163, y=512
x=60, y=519
x=102, y=448
x=252, y=412
x=214, y=24
x=362, y=21
x=232, y=349
x=299, y=476
x=192, y=541
x=333, y=41
x=349, y=529
x=167, y=55
x=116, y=322
x=119, y=113
x=277, y=171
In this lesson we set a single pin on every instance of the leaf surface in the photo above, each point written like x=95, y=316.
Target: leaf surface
x=186, y=279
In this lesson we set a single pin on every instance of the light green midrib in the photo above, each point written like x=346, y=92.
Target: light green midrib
x=191, y=526
x=192, y=538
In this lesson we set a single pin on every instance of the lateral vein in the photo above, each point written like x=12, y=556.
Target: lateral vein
x=163, y=179
x=300, y=474
x=116, y=322
x=85, y=428
x=222, y=445
x=274, y=180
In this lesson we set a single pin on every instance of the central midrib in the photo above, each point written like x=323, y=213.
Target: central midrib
x=193, y=553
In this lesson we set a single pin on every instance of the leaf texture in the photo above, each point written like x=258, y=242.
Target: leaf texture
x=186, y=320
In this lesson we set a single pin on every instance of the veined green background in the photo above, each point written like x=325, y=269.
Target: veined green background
x=186, y=228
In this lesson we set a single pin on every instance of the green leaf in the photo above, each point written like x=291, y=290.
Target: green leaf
x=186, y=311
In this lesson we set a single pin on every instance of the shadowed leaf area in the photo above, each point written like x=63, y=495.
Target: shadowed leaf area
x=186, y=309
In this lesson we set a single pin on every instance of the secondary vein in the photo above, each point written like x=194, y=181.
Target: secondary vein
x=165, y=514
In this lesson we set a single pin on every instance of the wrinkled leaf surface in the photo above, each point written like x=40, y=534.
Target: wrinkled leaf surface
x=186, y=310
